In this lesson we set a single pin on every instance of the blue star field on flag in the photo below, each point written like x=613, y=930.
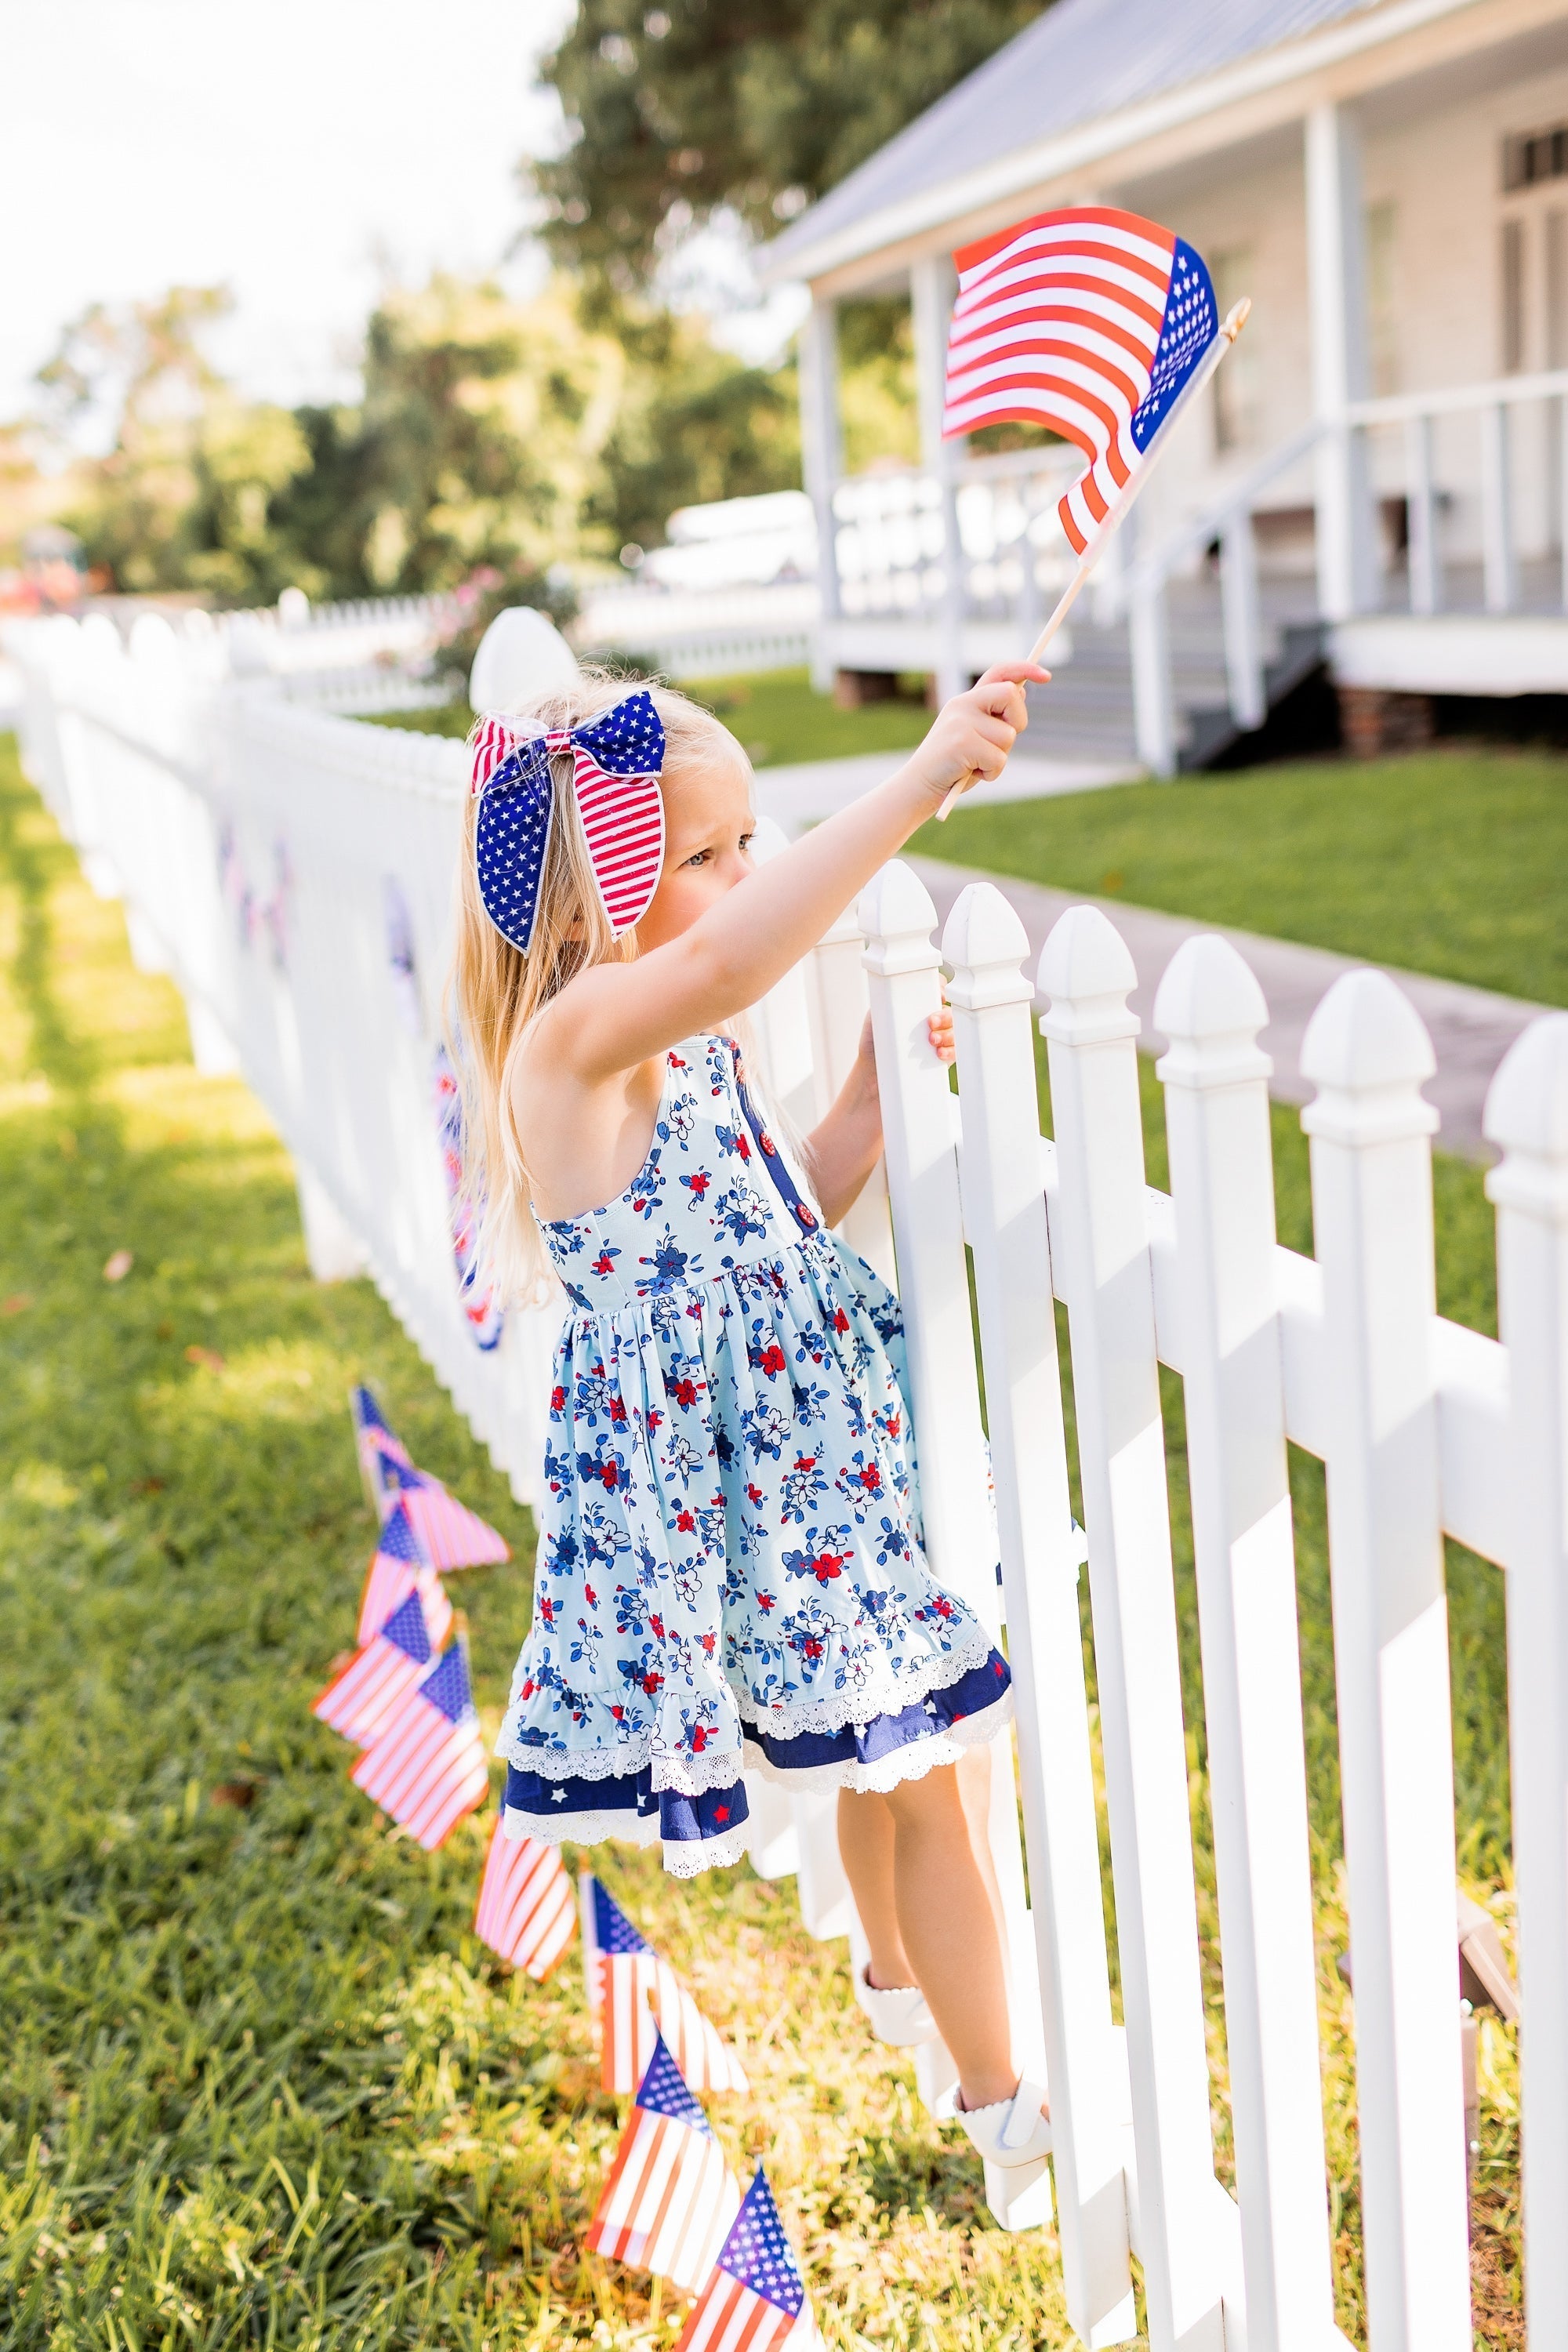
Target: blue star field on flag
x=757, y=2253
x=664, y=2091
x=613, y=1931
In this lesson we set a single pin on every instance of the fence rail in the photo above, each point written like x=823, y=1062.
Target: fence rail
x=291, y=868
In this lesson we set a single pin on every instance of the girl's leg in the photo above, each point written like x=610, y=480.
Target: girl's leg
x=865, y=1847
x=948, y=1926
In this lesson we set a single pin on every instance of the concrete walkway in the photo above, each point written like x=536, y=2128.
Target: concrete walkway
x=1470, y=1029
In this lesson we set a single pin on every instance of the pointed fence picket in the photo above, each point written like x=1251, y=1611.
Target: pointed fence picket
x=1424, y=1433
x=154, y=755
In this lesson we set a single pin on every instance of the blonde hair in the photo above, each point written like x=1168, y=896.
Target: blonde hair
x=496, y=991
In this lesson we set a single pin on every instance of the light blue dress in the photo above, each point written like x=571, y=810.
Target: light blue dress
x=730, y=1569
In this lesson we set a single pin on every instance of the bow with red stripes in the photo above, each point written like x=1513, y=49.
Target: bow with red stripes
x=617, y=760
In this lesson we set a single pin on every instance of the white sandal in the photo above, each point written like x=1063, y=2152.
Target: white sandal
x=1012, y=2131
x=896, y=2015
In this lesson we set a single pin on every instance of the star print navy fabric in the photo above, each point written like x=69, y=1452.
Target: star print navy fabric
x=729, y=1567
x=617, y=759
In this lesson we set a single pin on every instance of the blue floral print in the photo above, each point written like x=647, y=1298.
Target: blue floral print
x=730, y=1569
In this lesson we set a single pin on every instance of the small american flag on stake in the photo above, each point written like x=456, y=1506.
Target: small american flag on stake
x=526, y=1908
x=399, y=1567
x=669, y=2199
x=361, y=1701
x=428, y=1768
x=373, y=1438
x=451, y=1535
x=755, y=2300
x=637, y=1997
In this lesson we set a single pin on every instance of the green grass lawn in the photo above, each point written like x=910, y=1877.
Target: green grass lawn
x=1450, y=861
x=260, y=2085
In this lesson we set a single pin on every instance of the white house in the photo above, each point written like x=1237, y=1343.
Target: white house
x=1381, y=468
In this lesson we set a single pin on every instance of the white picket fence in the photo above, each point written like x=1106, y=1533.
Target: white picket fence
x=1424, y=1427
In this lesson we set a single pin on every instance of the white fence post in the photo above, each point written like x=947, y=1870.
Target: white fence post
x=1101, y=1251
x=1216, y=1115
x=1367, y=1053
x=919, y=1120
x=985, y=943
x=1527, y=1117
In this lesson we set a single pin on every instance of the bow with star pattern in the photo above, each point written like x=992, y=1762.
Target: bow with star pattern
x=617, y=760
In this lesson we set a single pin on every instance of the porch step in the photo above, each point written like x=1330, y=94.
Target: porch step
x=1087, y=711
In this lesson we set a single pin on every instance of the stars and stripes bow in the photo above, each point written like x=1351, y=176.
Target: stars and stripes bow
x=1091, y=321
x=526, y=1911
x=754, y=2299
x=617, y=760
x=670, y=2198
x=637, y=1999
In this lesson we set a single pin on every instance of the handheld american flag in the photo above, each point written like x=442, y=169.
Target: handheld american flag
x=376, y=1445
x=1091, y=321
x=638, y=1997
x=670, y=2200
x=526, y=1911
x=1101, y=326
x=361, y=1701
x=398, y=1567
x=755, y=2300
x=427, y=1768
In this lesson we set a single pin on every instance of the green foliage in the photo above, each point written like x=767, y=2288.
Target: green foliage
x=1445, y=861
x=757, y=105
x=185, y=499
x=493, y=443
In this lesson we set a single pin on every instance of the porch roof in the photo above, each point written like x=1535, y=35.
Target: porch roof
x=1083, y=63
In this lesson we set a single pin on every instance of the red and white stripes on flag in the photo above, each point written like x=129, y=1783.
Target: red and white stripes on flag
x=453, y=1535
x=526, y=1911
x=636, y=1997
x=363, y=1700
x=1087, y=320
x=670, y=2200
x=429, y=1767
x=754, y=2299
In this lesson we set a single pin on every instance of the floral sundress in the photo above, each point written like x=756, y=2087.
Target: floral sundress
x=730, y=1569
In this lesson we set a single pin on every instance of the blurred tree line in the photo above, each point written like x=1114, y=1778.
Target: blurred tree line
x=505, y=439
x=490, y=436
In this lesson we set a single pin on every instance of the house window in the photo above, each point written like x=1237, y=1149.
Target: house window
x=1530, y=157
x=1382, y=319
x=1511, y=274
x=1235, y=384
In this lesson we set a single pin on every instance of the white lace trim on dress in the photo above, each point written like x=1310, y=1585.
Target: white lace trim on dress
x=683, y=1857
x=690, y=1775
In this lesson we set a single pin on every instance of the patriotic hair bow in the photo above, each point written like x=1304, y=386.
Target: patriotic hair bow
x=616, y=760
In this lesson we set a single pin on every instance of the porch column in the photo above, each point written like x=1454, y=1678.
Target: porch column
x=932, y=284
x=1337, y=313
x=821, y=461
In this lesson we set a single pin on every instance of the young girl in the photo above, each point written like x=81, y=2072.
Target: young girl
x=729, y=1568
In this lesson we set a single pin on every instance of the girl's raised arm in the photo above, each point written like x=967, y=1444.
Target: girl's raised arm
x=615, y=1016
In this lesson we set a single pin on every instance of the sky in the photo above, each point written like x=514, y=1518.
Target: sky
x=300, y=151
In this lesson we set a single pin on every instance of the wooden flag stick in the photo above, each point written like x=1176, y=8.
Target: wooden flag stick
x=1230, y=327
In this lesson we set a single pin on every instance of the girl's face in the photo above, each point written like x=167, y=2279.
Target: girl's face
x=708, y=843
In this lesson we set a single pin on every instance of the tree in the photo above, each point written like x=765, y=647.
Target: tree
x=757, y=105
x=185, y=496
